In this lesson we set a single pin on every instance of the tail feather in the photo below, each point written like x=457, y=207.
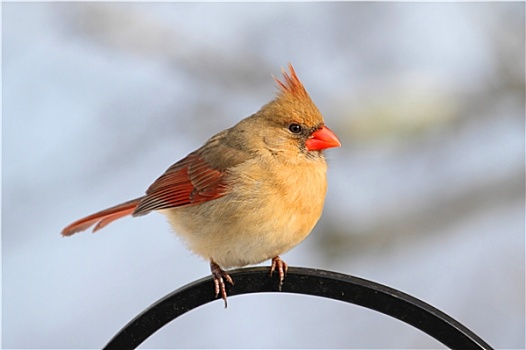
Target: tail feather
x=102, y=218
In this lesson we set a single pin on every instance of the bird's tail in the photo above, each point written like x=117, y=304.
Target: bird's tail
x=102, y=218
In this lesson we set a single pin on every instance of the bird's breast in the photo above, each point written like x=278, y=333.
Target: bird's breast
x=268, y=210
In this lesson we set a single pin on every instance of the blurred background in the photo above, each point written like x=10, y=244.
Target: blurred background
x=426, y=194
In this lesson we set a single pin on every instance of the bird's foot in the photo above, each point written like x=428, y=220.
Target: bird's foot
x=281, y=266
x=219, y=280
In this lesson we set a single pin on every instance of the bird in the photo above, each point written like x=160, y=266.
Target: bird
x=250, y=194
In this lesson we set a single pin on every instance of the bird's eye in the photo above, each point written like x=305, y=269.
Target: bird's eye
x=295, y=128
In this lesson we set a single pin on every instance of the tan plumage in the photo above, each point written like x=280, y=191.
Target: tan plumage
x=250, y=193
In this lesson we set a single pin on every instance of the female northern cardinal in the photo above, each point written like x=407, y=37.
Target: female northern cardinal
x=250, y=193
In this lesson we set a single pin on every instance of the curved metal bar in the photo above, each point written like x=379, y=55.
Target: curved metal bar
x=306, y=281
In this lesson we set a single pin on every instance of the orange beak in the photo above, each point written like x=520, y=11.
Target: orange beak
x=321, y=139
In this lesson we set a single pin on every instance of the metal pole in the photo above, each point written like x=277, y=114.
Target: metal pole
x=306, y=281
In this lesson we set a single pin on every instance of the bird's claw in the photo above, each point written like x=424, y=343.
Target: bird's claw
x=219, y=280
x=281, y=266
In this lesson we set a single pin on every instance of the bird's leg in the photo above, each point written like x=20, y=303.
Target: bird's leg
x=219, y=276
x=282, y=268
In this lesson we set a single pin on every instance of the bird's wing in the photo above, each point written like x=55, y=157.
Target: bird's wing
x=189, y=181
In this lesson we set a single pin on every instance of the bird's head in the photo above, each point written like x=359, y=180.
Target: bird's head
x=292, y=120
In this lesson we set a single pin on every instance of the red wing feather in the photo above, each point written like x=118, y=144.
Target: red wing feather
x=187, y=182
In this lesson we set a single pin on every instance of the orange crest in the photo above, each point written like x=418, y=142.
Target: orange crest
x=292, y=84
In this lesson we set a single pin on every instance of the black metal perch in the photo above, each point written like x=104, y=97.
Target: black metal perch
x=302, y=281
